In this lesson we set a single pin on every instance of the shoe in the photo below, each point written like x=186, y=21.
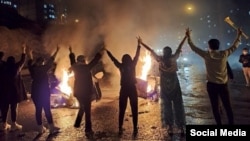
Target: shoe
x=5, y=126
x=53, y=129
x=15, y=126
x=41, y=129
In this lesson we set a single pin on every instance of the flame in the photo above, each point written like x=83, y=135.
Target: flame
x=146, y=66
x=64, y=85
x=147, y=63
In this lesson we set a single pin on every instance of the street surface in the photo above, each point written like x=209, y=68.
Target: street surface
x=105, y=114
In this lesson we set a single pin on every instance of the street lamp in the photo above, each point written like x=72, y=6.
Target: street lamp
x=62, y=16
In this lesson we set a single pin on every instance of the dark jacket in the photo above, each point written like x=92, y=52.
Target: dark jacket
x=83, y=84
x=13, y=87
x=245, y=60
x=127, y=71
x=40, y=82
x=2, y=65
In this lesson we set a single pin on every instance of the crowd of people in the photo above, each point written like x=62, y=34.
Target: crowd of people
x=172, y=109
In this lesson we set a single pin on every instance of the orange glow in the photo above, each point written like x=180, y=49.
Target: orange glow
x=147, y=63
x=64, y=85
x=146, y=66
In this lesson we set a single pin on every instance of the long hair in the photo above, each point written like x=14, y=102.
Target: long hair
x=167, y=53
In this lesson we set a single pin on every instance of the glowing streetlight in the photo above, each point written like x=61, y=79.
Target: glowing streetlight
x=62, y=17
x=189, y=8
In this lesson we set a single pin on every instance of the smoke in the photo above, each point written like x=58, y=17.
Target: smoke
x=117, y=23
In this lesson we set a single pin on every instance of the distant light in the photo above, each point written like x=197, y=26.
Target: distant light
x=228, y=31
x=76, y=20
x=228, y=44
x=249, y=12
x=208, y=21
x=185, y=59
x=208, y=16
x=189, y=8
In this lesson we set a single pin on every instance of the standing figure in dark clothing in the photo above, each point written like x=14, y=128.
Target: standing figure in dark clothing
x=171, y=95
x=245, y=61
x=128, y=86
x=83, y=87
x=40, y=90
x=13, y=90
x=2, y=64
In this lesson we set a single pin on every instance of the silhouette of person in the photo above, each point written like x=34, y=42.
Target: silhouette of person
x=2, y=65
x=128, y=86
x=40, y=90
x=13, y=90
x=83, y=87
x=171, y=95
x=217, y=74
x=245, y=61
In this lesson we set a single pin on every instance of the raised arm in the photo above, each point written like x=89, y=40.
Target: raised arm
x=96, y=59
x=235, y=43
x=30, y=61
x=50, y=62
x=137, y=54
x=71, y=56
x=178, y=50
x=192, y=46
x=157, y=58
x=23, y=57
x=116, y=62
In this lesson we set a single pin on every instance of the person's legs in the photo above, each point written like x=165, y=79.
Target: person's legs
x=225, y=98
x=133, y=98
x=4, y=110
x=47, y=110
x=79, y=114
x=122, y=106
x=14, y=125
x=245, y=71
x=179, y=111
x=38, y=113
x=13, y=108
x=38, y=108
x=213, y=93
x=167, y=111
x=248, y=75
x=87, y=109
